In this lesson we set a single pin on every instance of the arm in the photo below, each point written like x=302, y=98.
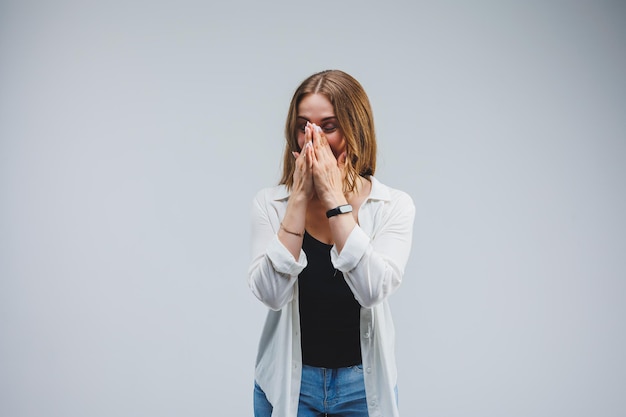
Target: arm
x=277, y=255
x=328, y=174
x=374, y=266
x=273, y=270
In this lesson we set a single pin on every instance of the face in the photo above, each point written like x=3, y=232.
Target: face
x=316, y=108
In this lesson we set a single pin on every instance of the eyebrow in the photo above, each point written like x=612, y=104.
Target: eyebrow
x=323, y=120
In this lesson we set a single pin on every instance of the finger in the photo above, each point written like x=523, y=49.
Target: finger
x=324, y=152
x=300, y=158
x=322, y=144
x=310, y=154
x=307, y=133
x=316, y=132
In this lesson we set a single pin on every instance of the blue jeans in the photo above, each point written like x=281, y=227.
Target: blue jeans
x=324, y=392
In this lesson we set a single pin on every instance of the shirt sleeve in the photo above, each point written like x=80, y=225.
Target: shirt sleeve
x=373, y=266
x=273, y=270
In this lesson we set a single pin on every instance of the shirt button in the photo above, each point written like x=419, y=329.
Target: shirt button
x=367, y=335
x=368, y=370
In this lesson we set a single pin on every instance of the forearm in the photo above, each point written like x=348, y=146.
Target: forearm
x=273, y=269
x=373, y=262
x=371, y=275
x=272, y=275
x=341, y=226
x=291, y=232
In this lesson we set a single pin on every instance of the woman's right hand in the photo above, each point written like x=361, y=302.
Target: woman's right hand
x=293, y=223
x=303, y=174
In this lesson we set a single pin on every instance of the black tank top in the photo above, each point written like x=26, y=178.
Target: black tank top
x=329, y=313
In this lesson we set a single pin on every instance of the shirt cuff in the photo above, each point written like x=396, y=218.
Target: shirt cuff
x=283, y=260
x=353, y=250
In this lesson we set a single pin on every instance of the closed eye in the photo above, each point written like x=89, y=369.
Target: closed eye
x=329, y=128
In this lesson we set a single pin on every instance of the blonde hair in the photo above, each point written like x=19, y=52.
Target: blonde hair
x=354, y=114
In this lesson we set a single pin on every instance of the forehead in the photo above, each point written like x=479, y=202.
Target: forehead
x=315, y=104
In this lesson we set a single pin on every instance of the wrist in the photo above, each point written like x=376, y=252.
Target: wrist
x=335, y=201
x=339, y=210
x=298, y=198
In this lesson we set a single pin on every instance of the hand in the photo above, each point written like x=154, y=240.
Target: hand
x=328, y=171
x=303, y=173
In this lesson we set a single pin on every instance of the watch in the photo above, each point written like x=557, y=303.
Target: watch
x=346, y=208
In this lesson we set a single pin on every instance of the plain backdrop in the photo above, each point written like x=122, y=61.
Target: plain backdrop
x=134, y=135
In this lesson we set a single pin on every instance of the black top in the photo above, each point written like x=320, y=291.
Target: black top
x=329, y=313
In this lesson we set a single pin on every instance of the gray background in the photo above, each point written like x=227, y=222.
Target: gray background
x=134, y=134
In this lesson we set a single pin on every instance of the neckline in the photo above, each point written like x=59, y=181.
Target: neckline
x=306, y=233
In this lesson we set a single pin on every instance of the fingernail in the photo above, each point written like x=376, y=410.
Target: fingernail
x=317, y=128
x=294, y=155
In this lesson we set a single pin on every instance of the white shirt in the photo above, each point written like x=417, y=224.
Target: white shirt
x=372, y=262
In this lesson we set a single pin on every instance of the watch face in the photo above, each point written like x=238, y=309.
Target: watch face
x=345, y=209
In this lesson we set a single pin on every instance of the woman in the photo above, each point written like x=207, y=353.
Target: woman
x=329, y=246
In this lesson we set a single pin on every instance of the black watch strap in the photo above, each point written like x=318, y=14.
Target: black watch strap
x=346, y=208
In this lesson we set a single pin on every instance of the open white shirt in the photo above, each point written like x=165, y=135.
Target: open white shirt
x=372, y=262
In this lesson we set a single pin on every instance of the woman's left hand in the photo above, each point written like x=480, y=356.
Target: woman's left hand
x=328, y=171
